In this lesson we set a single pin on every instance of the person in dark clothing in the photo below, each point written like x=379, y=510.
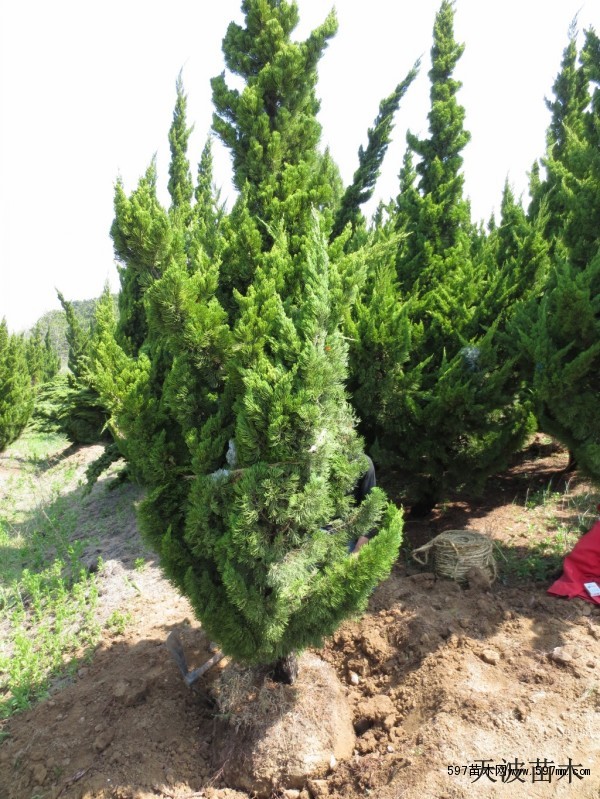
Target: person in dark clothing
x=361, y=490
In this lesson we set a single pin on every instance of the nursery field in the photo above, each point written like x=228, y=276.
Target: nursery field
x=445, y=683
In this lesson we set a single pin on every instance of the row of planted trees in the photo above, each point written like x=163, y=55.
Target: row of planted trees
x=252, y=347
x=26, y=364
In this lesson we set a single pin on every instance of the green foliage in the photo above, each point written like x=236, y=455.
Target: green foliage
x=117, y=622
x=79, y=413
x=263, y=573
x=225, y=372
x=560, y=330
x=48, y=600
x=55, y=322
x=370, y=160
x=78, y=334
x=181, y=187
x=271, y=125
x=432, y=377
x=571, y=98
x=43, y=361
x=145, y=243
x=561, y=341
x=208, y=213
x=443, y=213
x=16, y=390
x=64, y=405
x=516, y=256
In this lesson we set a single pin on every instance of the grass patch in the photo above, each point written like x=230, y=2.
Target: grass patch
x=47, y=598
x=539, y=560
x=568, y=517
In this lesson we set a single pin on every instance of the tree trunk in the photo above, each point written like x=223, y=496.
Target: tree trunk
x=285, y=669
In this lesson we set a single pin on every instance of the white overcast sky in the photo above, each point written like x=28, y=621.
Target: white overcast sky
x=87, y=93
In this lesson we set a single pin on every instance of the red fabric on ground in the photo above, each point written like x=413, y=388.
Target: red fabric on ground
x=582, y=565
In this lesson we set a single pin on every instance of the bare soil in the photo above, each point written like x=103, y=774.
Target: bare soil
x=442, y=680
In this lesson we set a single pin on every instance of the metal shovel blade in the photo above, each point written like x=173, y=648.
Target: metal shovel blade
x=176, y=649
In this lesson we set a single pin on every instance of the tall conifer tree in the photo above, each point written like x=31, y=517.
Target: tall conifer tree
x=43, y=360
x=517, y=262
x=181, y=187
x=447, y=412
x=560, y=333
x=232, y=407
x=271, y=128
x=208, y=211
x=16, y=390
x=145, y=243
x=79, y=412
x=550, y=196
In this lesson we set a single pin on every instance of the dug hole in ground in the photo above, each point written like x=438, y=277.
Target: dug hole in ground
x=443, y=683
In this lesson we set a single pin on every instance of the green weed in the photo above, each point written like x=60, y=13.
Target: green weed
x=541, y=496
x=584, y=509
x=117, y=622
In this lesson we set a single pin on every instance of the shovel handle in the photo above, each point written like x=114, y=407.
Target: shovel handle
x=191, y=678
x=173, y=644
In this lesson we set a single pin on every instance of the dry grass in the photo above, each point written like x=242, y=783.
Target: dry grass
x=247, y=698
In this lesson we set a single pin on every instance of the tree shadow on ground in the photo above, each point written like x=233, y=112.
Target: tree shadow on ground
x=125, y=723
x=538, y=469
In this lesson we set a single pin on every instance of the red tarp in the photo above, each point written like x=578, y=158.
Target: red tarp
x=582, y=565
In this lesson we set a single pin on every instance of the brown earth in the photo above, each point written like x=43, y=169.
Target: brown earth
x=440, y=679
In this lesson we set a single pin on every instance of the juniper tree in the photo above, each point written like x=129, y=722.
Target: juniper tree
x=16, y=390
x=208, y=210
x=254, y=526
x=567, y=107
x=50, y=359
x=43, y=362
x=145, y=241
x=516, y=253
x=582, y=160
x=246, y=443
x=269, y=525
x=440, y=222
x=380, y=330
x=78, y=336
x=150, y=242
x=148, y=238
x=34, y=354
x=560, y=333
x=80, y=414
x=450, y=415
x=181, y=187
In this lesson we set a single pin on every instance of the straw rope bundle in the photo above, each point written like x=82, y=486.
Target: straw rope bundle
x=455, y=552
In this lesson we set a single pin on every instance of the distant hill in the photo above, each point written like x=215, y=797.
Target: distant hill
x=56, y=323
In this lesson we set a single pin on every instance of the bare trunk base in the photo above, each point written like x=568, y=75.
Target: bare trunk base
x=285, y=669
